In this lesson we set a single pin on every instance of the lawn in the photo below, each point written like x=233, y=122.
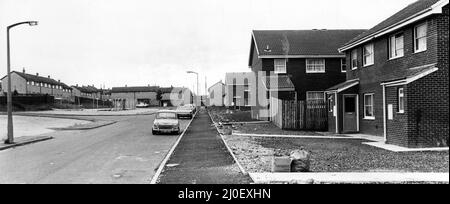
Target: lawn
x=335, y=155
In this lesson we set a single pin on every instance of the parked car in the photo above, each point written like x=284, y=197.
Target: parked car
x=192, y=107
x=142, y=105
x=166, y=121
x=185, y=111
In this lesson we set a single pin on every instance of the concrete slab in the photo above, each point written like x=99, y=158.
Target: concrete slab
x=396, y=148
x=350, y=177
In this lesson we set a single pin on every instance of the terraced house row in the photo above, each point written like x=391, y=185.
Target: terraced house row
x=23, y=83
x=397, y=81
x=389, y=81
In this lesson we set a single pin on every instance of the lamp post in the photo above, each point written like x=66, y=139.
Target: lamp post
x=10, y=139
x=192, y=72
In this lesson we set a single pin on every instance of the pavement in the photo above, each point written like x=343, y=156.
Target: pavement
x=201, y=157
x=350, y=177
x=19, y=141
x=90, y=112
x=123, y=152
x=33, y=126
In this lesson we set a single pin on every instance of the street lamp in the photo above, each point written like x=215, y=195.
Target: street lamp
x=10, y=139
x=192, y=72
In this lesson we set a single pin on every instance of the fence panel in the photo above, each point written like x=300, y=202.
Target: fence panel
x=301, y=115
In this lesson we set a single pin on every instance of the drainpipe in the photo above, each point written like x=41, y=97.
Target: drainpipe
x=337, y=112
x=384, y=114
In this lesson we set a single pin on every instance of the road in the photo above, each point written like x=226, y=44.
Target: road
x=124, y=152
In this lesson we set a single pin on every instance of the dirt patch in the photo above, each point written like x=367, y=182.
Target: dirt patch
x=335, y=155
x=222, y=114
x=270, y=128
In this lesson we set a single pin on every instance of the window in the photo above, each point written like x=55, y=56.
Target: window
x=420, y=38
x=343, y=65
x=396, y=46
x=246, y=85
x=354, y=59
x=315, y=96
x=280, y=66
x=368, y=55
x=401, y=100
x=330, y=104
x=368, y=106
x=315, y=65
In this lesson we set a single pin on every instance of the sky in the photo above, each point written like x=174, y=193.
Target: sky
x=154, y=42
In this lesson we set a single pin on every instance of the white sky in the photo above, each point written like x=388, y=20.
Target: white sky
x=141, y=42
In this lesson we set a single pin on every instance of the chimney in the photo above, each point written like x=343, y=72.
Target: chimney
x=59, y=81
x=125, y=85
x=23, y=70
x=76, y=85
x=37, y=74
x=49, y=76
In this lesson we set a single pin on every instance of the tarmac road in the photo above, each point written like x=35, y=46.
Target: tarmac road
x=124, y=152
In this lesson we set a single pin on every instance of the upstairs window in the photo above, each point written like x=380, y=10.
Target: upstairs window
x=354, y=59
x=343, y=65
x=368, y=55
x=316, y=96
x=315, y=65
x=396, y=46
x=420, y=38
x=280, y=66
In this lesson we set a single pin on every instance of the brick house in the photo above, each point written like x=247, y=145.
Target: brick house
x=24, y=83
x=238, y=89
x=303, y=63
x=397, y=79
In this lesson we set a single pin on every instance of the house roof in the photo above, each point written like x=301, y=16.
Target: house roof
x=284, y=83
x=87, y=89
x=40, y=79
x=217, y=83
x=292, y=43
x=344, y=86
x=408, y=13
x=413, y=74
x=134, y=89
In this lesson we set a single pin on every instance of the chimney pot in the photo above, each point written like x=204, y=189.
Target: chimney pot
x=23, y=70
x=49, y=76
x=37, y=74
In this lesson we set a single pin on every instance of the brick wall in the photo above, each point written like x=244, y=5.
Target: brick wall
x=387, y=69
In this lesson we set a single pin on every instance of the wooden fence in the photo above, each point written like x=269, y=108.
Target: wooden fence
x=301, y=115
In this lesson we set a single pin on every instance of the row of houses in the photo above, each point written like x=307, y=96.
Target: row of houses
x=23, y=83
x=389, y=81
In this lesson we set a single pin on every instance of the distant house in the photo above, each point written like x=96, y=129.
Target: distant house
x=136, y=95
x=238, y=87
x=295, y=65
x=217, y=94
x=397, y=79
x=24, y=83
x=175, y=96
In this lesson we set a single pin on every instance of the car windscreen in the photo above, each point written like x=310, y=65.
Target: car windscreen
x=184, y=108
x=166, y=115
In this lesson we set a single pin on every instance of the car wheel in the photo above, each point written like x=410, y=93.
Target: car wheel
x=154, y=132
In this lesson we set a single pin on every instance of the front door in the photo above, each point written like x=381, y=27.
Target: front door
x=350, y=114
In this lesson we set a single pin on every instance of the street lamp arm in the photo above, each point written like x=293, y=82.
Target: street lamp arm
x=31, y=23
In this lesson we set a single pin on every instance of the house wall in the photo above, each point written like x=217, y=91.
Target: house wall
x=17, y=84
x=216, y=95
x=303, y=82
x=384, y=68
x=132, y=97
